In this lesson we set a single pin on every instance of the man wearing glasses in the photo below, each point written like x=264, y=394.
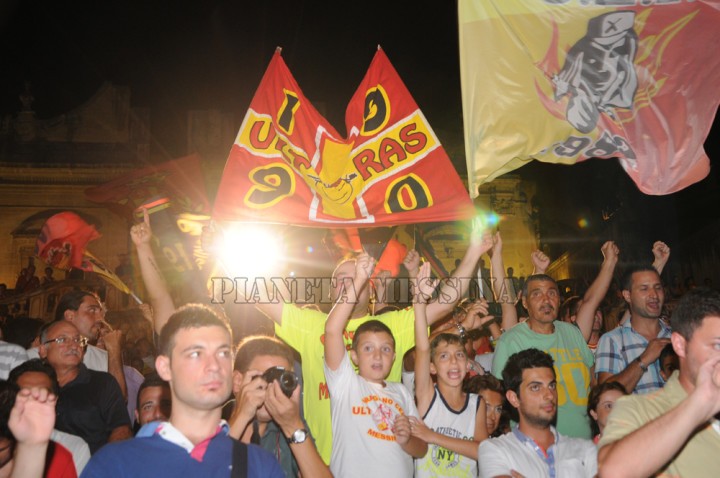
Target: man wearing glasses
x=84, y=310
x=90, y=403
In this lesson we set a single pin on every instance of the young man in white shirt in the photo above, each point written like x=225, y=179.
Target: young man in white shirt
x=534, y=447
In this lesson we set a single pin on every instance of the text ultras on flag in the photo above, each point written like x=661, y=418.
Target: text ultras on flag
x=289, y=165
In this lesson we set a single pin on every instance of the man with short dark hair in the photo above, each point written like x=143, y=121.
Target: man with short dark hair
x=677, y=426
x=566, y=344
x=196, y=358
x=534, y=448
x=266, y=414
x=154, y=400
x=629, y=354
x=90, y=403
x=84, y=310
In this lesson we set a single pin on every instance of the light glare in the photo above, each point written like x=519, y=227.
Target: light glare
x=250, y=251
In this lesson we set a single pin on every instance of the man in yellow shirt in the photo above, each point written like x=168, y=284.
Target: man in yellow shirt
x=676, y=427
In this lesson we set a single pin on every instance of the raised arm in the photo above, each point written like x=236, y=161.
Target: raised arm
x=113, y=341
x=507, y=300
x=667, y=433
x=342, y=310
x=474, y=318
x=424, y=389
x=597, y=290
x=540, y=261
x=31, y=421
x=454, y=289
x=160, y=299
x=478, y=316
x=412, y=263
x=661, y=253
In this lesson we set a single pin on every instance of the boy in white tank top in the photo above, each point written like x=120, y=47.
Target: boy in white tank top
x=453, y=422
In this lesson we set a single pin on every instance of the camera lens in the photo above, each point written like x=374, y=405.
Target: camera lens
x=288, y=382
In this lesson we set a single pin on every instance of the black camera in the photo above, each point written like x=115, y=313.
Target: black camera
x=288, y=380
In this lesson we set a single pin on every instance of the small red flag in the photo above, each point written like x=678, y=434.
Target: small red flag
x=63, y=239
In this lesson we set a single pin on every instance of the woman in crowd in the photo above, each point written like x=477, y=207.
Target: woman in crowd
x=600, y=404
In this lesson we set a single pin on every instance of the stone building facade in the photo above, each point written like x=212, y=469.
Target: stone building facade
x=46, y=165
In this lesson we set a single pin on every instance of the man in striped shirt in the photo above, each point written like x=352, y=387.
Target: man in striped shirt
x=629, y=354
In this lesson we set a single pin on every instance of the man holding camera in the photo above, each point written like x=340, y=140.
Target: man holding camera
x=267, y=406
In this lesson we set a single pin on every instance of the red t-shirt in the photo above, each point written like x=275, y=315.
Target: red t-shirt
x=59, y=462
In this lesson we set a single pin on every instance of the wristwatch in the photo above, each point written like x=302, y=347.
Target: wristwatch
x=461, y=331
x=298, y=436
x=643, y=367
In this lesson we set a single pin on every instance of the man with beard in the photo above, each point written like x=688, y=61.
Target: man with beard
x=629, y=354
x=534, y=447
x=565, y=342
x=674, y=431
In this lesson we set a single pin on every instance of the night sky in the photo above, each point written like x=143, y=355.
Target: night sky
x=177, y=56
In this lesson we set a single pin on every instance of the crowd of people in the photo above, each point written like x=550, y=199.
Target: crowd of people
x=547, y=385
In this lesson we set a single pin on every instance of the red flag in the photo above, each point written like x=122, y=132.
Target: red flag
x=347, y=241
x=62, y=244
x=391, y=258
x=289, y=165
x=62, y=240
x=180, y=179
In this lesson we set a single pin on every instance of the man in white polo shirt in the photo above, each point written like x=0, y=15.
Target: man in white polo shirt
x=534, y=447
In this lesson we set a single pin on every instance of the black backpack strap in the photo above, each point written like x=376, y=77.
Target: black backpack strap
x=239, y=460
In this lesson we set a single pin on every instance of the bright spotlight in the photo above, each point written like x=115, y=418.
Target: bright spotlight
x=493, y=219
x=486, y=220
x=250, y=251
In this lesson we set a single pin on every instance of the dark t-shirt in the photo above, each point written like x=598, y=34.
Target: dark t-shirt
x=91, y=406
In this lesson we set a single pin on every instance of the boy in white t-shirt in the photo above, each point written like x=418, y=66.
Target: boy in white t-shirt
x=453, y=422
x=370, y=424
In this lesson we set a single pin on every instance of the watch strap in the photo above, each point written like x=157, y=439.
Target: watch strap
x=292, y=440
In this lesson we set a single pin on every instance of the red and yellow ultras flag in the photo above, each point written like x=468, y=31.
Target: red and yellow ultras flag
x=288, y=164
x=562, y=81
